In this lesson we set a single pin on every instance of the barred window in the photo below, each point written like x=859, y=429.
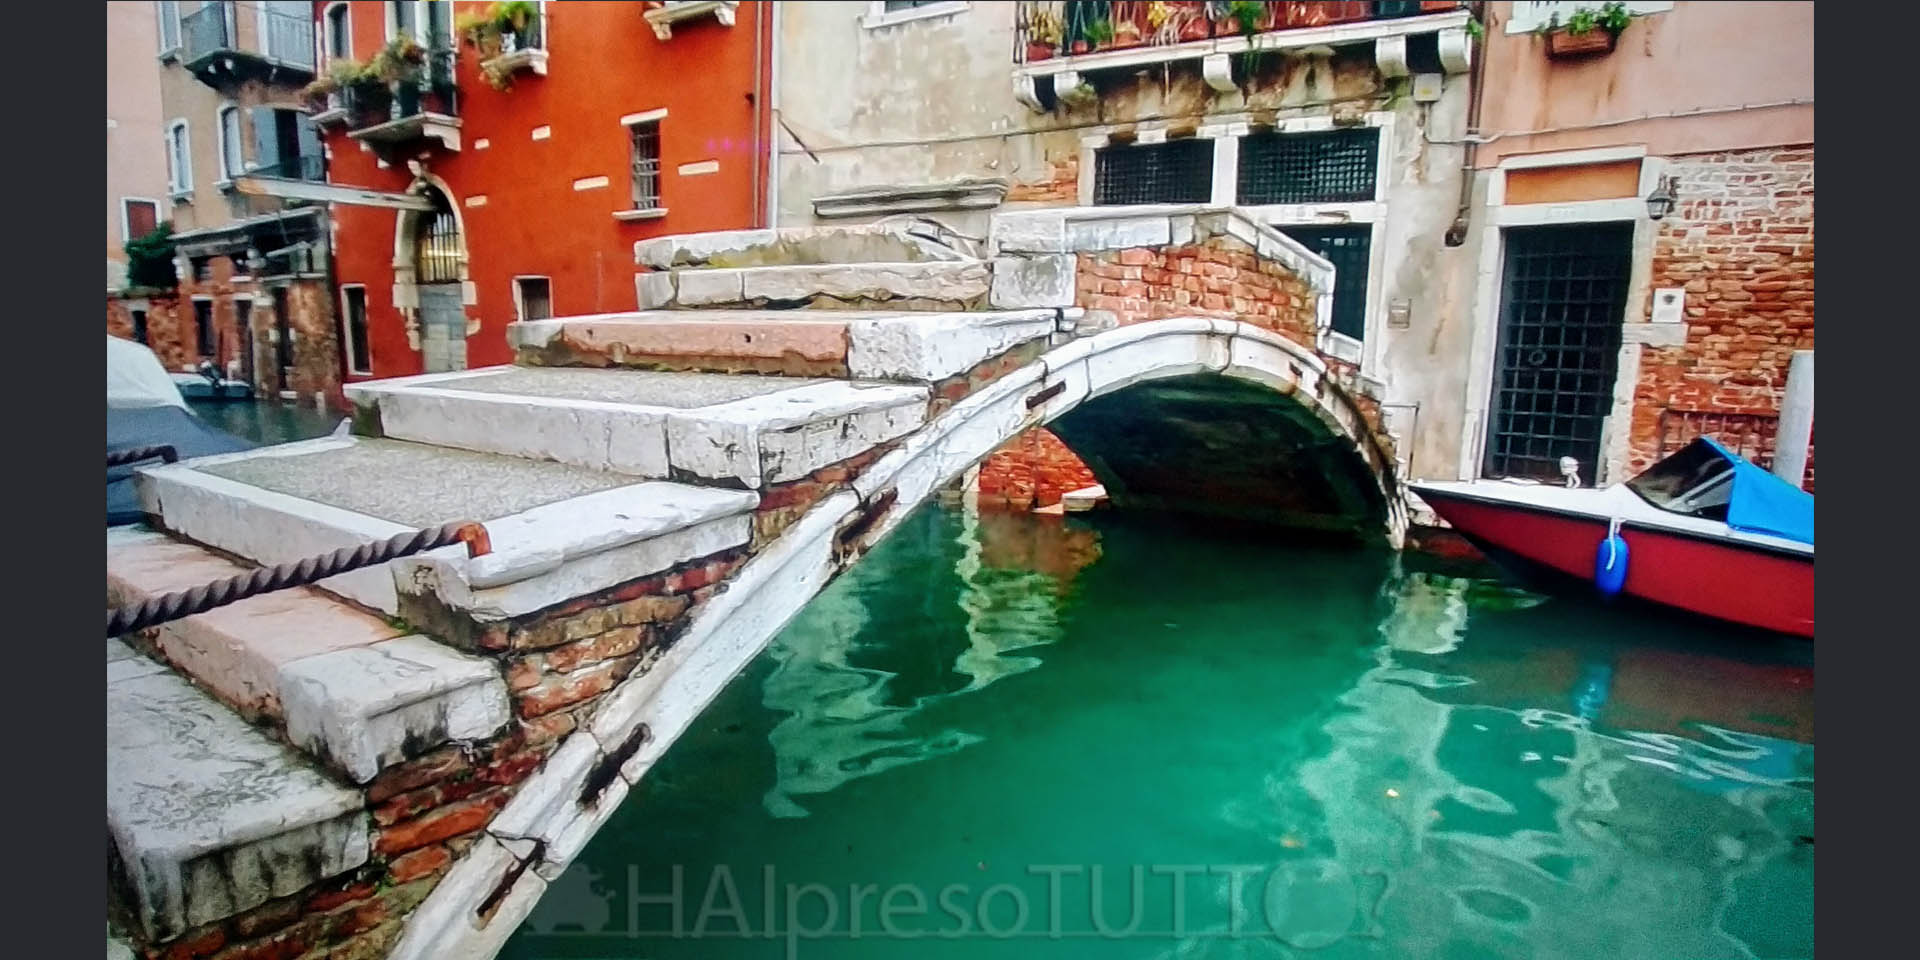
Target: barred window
x=1349, y=248
x=646, y=164
x=1324, y=166
x=1177, y=171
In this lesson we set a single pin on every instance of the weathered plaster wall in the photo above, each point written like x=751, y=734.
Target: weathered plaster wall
x=136, y=150
x=1694, y=56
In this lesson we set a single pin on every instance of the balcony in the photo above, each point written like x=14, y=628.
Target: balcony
x=661, y=16
x=1056, y=41
x=391, y=117
x=520, y=51
x=223, y=45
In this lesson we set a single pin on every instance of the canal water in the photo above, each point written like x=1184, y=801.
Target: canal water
x=266, y=423
x=1007, y=736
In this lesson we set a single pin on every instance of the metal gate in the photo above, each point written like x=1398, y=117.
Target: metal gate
x=1564, y=295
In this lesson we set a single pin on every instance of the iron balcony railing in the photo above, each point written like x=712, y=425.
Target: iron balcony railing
x=279, y=38
x=432, y=92
x=311, y=167
x=1044, y=29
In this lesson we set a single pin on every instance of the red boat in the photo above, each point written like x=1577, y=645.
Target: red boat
x=1702, y=530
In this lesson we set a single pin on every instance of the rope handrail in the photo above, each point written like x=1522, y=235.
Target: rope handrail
x=126, y=455
x=294, y=573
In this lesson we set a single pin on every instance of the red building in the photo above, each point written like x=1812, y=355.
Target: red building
x=541, y=156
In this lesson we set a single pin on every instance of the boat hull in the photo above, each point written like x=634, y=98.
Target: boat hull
x=1727, y=580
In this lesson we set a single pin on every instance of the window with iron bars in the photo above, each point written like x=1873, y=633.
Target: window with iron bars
x=646, y=164
x=1322, y=166
x=1348, y=249
x=1177, y=171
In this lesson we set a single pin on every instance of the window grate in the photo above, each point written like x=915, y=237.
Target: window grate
x=1565, y=294
x=1348, y=248
x=646, y=165
x=1325, y=166
x=437, y=250
x=1177, y=171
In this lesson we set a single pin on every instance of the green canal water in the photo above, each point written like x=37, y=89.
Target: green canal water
x=1005, y=736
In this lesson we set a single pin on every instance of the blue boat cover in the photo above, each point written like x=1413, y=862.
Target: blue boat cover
x=1764, y=503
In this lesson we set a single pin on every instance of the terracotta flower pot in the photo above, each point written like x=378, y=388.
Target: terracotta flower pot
x=1039, y=51
x=1561, y=43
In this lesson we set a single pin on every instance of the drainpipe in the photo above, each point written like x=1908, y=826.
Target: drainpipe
x=759, y=96
x=1457, y=232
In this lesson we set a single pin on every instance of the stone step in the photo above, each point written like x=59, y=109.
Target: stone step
x=557, y=531
x=910, y=240
x=206, y=815
x=349, y=688
x=738, y=430
x=951, y=285
x=858, y=344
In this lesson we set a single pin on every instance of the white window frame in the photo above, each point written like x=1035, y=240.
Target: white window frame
x=327, y=33
x=346, y=329
x=162, y=8
x=879, y=16
x=237, y=141
x=180, y=164
x=1226, y=134
x=519, y=301
x=420, y=19
x=659, y=209
x=126, y=222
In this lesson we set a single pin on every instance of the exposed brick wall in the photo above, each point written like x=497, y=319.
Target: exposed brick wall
x=1058, y=183
x=1032, y=470
x=1219, y=277
x=1741, y=243
x=169, y=336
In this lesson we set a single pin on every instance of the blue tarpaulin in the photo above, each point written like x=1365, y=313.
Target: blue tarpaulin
x=1763, y=503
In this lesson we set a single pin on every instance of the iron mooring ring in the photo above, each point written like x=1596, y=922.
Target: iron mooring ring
x=294, y=573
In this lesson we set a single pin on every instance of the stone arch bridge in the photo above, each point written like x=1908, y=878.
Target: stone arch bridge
x=400, y=759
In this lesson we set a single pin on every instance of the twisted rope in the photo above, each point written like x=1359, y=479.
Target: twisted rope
x=186, y=603
x=126, y=455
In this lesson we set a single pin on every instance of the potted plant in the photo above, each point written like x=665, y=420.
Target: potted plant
x=400, y=67
x=1199, y=25
x=1587, y=31
x=1043, y=34
x=1127, y=18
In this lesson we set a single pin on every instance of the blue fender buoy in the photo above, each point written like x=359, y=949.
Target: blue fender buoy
x=1610, y=562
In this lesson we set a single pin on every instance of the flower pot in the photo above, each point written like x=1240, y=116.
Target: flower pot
x=1198, y=28
x=1080, y=47
x=1039, y=51
x=1564, y=44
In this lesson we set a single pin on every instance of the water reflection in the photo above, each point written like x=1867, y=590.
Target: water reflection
x=844, y=719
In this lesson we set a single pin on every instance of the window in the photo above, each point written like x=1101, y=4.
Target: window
x=138, y=217
x=203, y=326
x=179, y=160
x=437, y=242
x=169, y=12
x=238, y=263
x=233, y=160
x=403, y=16
x=339, y=27
x=533, y=297
x=1177, y=171
x=646, y=164
x=353, y=313
x=893, y=5
x=1349, y=248
x=1324, y=166
x=882, y=13
x=139, y=326
x=202, y=269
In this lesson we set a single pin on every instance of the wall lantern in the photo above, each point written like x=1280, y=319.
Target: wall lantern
x=1660, y=201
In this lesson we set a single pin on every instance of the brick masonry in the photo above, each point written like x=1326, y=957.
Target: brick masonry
x=1741, y=244
x=1058, y=184
x=252, y=356
x=1219, y=277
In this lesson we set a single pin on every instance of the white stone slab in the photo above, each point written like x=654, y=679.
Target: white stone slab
x=654, y=290
x=786, y=435
x=661, y=253
x=708, y=287
x=267, y=527
x=946, y=281
x=1045, y=280
x=209, y=816
x=934, y=346
x=369, y=707
x=624, y=438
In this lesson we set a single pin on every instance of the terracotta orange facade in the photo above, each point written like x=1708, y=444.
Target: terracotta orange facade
x=543, y=167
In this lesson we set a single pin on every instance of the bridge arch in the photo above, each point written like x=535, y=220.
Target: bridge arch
x=494, y=887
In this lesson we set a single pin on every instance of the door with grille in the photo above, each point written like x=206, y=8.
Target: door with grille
x=1564, y=292
x=436, y=267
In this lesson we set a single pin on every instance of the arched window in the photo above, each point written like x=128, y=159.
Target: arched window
x=179, y=159
x=436, y=242
x=339, y=32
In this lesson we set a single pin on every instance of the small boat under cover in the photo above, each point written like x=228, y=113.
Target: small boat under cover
x=1703, y=530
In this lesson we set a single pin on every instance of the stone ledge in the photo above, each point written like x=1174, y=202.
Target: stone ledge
x=911, y=240
x=206, y=816
x=1091, y=229
x=366, y=708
